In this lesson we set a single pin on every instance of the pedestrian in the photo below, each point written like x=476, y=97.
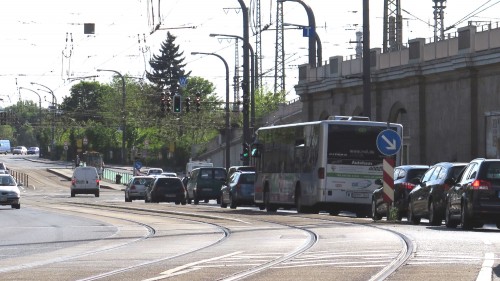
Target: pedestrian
x=77, y=161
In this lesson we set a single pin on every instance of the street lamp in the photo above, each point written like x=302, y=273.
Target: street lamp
x=246, y=74
x=252, y=76
x=54, y=103
x=319, y=52
x=39, y=103
x=312, y=28
x=124, y=121
x=228, y=129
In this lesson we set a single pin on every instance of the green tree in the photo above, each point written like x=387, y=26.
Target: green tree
x=167, y=67
x=84, y=100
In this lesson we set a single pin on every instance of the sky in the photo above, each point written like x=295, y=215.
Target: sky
x=42, y=41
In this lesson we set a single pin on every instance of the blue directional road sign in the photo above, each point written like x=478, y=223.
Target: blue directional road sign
x=183, y=81
x=388, y=142
x=138, y=165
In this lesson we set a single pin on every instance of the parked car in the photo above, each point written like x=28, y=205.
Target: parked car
x=154, y=171
x=427, y=199
x=33, y=150
x=205, y=184
x=169, y=174
x=85, y=180
x=239, y=191
x=9, y=192
x=136, y=188
x=166, y=189
x=404, y=181
x=474, y=199
x=22, y=150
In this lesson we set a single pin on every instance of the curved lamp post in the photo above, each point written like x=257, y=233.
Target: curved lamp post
x=312, y=26
x=39, y=103
x=124, y=121
x=228, y=129
x=54, y=103
x=253, y=76
x=246, y=74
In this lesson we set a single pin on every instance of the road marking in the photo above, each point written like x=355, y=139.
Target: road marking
x=185, y=268
x=487, y=269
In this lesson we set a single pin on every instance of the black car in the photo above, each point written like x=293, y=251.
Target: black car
x=404, y=178
x=474, y=199
x=427, y=199
x=166, y=189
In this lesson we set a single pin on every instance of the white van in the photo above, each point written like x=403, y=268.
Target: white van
x=85, y=180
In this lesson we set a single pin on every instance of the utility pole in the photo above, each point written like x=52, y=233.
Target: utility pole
x=367, y=100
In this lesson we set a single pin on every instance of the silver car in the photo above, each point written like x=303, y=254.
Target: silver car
x=9, y=192
x=136, y=188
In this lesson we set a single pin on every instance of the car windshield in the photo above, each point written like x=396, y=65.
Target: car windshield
x=142, y=181
x=7, y=181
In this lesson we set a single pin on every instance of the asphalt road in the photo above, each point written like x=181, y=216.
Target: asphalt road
x=56, y=237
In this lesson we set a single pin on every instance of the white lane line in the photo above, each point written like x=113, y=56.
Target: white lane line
x=486, y=272
x=186, y=268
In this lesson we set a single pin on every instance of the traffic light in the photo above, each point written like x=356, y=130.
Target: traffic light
x=162, y=102
x=197, y=102
x=246, y=152
x=177, y=104
x=188, y=104
x=168, y=103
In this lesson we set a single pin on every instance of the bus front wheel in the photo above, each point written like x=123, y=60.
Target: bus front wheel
x=269, y=206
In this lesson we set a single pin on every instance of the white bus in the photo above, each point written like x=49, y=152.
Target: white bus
x=328, y=165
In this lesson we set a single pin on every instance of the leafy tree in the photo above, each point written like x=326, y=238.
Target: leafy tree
x=167, y=67
x=84, y=100
x=266, y=103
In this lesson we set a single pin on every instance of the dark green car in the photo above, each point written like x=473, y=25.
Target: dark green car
x=205, y=184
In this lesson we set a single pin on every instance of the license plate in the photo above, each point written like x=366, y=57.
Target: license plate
x=169, y=195
x=207, y=189
x=80, y=182
x=359, y=195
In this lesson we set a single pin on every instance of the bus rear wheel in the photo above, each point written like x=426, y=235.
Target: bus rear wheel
x=269, y=206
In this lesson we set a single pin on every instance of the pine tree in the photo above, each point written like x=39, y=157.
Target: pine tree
x=167, y=67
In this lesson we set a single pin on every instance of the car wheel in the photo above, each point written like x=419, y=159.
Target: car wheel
x=411, y=216
x=196, y=200
x=97, y=194
x=222, y=203
x=72, y=194
x=334, y=212
x=466, y=220
x=434, y=218
x=262, y=207
x=16, y=206
x=127, y=199
x=183, y=202
x=206, y=201
x=498, y=225
x=375, y=215
x=232, y=202
x=448, y=221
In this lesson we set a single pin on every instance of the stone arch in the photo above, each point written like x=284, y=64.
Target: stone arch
x=397, y=114
x=324, y=115
x=358, y=111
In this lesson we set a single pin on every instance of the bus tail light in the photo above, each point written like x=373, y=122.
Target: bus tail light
x=481, y=185
x=321, y=173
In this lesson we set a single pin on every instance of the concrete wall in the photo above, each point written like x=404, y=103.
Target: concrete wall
x=440, y=91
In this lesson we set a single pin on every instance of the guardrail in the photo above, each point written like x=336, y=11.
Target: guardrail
x=21, y=178
x=117, y=177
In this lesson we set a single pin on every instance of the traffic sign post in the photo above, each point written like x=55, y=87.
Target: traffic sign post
x=388, y=143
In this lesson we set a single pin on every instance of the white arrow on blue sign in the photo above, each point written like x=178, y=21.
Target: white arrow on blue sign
x=183, y=81
x=388, y=142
